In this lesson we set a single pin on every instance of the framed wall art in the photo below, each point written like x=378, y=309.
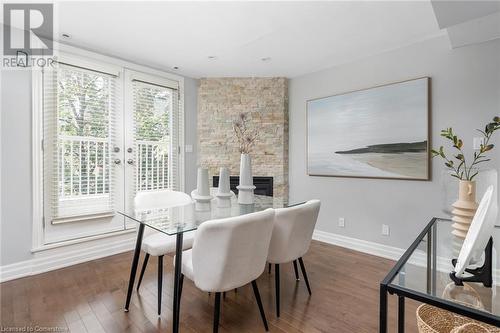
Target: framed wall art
x=380, y=132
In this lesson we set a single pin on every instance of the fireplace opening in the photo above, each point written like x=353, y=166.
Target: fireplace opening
x=263, y=185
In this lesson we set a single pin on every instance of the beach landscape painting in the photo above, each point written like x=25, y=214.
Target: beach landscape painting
x=381, y=132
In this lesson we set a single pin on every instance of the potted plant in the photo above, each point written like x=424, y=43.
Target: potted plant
x=246, y=134
x=465, y=207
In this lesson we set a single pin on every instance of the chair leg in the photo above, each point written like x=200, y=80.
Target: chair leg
x=304, y=274
x=160, y=281
x=143, y=269
x=296, y=270
x=181, y=282
x=277, y=283
x=269, y=269
x=259, y=303
x=216, y=313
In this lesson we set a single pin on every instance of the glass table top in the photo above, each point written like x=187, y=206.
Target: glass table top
x=179, y=219
x=426, y=271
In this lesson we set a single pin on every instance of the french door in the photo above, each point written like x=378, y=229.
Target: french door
x=153, y=125
x=109, y=132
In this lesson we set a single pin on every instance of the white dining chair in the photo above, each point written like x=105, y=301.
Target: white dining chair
x=292, y=235
x=229, y=253
x=157, y=243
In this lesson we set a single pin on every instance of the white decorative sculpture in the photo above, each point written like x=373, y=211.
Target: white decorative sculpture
x=224, y=192
x=202, y=195
x=246, y=187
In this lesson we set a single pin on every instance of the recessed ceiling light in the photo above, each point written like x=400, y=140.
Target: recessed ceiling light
x=175, y=67
x=266, y=59
x=66, y=35
x=212, y=57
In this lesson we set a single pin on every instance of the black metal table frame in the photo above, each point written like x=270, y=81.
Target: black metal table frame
x=387, y=288
x=177, y=274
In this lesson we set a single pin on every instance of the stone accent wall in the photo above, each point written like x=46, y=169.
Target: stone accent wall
x=220, y=101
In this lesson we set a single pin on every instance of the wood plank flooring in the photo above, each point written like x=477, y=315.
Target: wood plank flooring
x=89, y=297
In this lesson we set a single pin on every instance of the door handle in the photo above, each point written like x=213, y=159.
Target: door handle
x=130, y=161
x=129, y=150
x=117, y=161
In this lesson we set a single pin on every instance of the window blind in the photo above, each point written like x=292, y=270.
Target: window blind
x=79, y=135
x=156, y=132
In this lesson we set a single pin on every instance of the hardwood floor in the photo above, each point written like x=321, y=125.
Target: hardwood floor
x=89, y=297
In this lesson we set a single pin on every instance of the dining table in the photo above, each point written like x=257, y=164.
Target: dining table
x=178, y=219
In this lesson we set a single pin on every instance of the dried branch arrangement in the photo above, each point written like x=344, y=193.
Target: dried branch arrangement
x=246, y=132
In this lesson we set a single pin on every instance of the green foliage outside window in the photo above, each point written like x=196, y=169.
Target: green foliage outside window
x=84, y=104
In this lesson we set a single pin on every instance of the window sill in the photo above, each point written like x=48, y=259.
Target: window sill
x=69, y=219
x=80, y=240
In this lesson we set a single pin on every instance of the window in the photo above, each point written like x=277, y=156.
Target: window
x=79, y=111
x=108, y=132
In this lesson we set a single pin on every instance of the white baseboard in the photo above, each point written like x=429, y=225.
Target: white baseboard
x=376, y=249
x=67, y=256
x=385, y=251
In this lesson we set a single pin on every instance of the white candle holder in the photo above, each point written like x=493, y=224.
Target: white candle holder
x=223, y=191
x=202, y=195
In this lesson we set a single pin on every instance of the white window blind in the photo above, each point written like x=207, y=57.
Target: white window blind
x=156, y=130
x=79, y=133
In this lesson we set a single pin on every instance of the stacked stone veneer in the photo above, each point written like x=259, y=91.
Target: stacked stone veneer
x=220, y=101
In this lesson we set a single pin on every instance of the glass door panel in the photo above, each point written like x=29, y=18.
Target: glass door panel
x=149, y=122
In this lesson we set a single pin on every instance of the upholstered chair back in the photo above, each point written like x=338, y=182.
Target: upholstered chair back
x=293, y=230
x=231, y=252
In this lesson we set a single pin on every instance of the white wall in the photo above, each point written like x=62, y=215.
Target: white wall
x=191, y=133
x=16, y=207
x=16, y=150
x=465, y=95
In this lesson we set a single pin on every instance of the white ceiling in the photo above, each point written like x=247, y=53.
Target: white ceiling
x=468, y=22
x=450, y=13
x=299, y=37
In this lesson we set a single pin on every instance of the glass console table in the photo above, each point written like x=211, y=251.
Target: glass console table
x=175, y=221
x=422, y=274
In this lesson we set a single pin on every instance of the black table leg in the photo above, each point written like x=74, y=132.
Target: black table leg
x=383, y=309
x=135, y=262
x=401, y=314
x=177, y=279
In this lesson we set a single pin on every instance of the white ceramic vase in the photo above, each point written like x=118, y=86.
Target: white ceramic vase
x=223, y=191
x=202, y=185
x=246, y=187
x=202, y=195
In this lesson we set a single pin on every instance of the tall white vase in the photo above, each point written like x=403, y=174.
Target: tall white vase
x=246, y=187
x=202, y=195
x=224, y=186
x=202, y=184
x=224, y=190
